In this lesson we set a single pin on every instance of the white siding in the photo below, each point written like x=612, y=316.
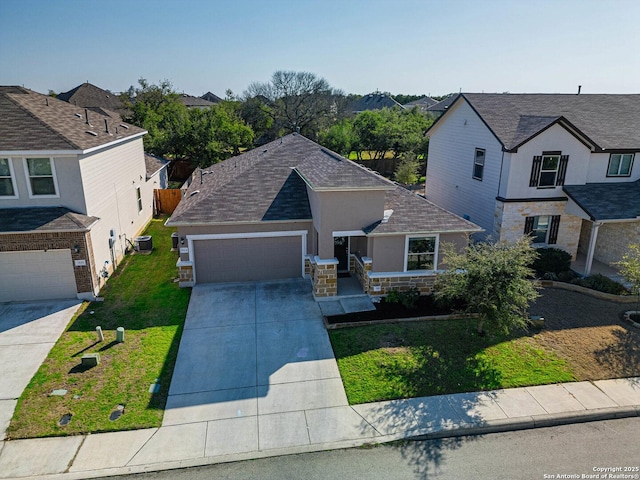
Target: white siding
x=555, y=138
x=110, y=178
x=67, y=174
x=599, y=164
x=449, y=181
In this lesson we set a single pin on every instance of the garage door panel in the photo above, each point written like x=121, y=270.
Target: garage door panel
x=38, y=275
x=248, y=259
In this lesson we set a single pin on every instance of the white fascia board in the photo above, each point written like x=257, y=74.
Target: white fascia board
x=348, y=233
x=225, y=236
x=17, y=153
x=431, y=232
x=115, y=142
x=173, y=223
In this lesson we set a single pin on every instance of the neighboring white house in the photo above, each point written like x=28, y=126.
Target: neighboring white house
x=559, y=167
x=74, y=191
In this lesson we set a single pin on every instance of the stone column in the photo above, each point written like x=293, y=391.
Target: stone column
x=325, y=277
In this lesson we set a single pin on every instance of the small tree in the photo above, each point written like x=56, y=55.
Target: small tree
x=492, y=279
x=630, y=269
x=407, y=169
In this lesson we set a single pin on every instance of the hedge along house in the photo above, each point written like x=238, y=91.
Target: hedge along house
x=292, y=208
x=559, y=167
x=74, y=191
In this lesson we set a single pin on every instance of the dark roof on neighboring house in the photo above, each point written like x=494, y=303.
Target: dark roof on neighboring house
x=268, y=184
x=32, y=121
x=90, y=96
x=423, y=103
x=375, y=101
x=601, y=120
x=211, y=97
x=43, y=219
x=607, y=201
x=411, y=213
x=194, y=102
x=153, y=164
x=443, y=104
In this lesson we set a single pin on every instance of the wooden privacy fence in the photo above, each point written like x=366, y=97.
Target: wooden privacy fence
x=166, y=200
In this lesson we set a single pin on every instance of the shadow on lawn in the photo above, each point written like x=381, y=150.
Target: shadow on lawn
x=622, y=357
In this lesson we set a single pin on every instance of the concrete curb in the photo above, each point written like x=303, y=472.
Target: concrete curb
x=588, y=291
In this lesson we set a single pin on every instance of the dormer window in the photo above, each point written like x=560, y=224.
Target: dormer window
x=620, y=165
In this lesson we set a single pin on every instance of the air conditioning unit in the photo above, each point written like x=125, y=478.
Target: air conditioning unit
x=144, y=244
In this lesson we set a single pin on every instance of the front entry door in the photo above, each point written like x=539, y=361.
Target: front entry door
x=341, y=252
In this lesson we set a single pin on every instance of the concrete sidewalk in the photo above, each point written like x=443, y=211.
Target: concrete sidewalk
x=315, y=429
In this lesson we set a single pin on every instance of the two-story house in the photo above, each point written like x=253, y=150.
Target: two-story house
x=557, y=167
x=75, y=190
x=292, y=208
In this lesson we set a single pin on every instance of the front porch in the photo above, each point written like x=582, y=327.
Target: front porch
x=597, y=267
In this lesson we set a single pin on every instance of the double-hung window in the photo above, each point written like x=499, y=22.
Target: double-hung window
x=42, y=177
x=542, y=228
x=478, y=164
x=548, y=170
x=7, y=181
x=620, y=165
x=421, y=253
x=139, y=199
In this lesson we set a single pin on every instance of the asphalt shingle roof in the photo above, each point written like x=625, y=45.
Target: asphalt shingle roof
x=43, y=219
x=191, y=101
x=87, y=95
x=607, y=201
x=609, y=121
x=32, y=121
x=153, y=164
x=375, y=101
x=415, y=214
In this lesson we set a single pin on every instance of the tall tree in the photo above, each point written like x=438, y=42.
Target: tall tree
x=630, y=269
x=493, y=279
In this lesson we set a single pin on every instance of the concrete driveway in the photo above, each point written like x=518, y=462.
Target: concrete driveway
x=253, y=358
x=27, y=333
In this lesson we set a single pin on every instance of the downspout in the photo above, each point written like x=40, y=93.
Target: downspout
x=592, y=247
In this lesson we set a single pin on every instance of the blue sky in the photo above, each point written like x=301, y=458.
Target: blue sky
x=401, y=46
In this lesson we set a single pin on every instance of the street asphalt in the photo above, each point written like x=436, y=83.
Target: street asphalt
x=256, y=377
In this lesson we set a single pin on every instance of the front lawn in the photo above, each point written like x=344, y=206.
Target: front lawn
x=141, y=297
x=384, y=362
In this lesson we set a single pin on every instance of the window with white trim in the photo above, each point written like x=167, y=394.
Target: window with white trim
x=421, y=252
x=549, y=170
x=7, y=180
x=478, y=164
x=620, y=165
x=139, y=199
x=41, y=176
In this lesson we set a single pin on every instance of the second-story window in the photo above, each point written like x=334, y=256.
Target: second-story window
x=548, y=170
x=620, y=165
x=478, y=164
x=42, y=179
x=7, y=186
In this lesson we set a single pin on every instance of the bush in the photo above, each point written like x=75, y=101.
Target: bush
x=409, y=298
x=567, y=276
x=551, y=260
x=550, y=276
x=601, y=284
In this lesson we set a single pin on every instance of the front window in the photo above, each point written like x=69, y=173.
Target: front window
x=478, y=164
x=421, y=252
x=7, y=187
x=620, y=165
x=549, y=171
x=540, y=230
x=41, y=176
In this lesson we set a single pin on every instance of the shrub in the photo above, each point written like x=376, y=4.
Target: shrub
x=550, y=276
x=409, y=298
x=567, y=276
x=551, y=260
x=601, y=284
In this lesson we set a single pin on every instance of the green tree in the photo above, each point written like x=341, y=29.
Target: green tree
x=630, y=269
x=340, y=137
x=493, y=280
x=407, y=169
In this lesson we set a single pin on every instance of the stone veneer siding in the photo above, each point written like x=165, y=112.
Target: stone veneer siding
x=510, y=217
x=325, y=277
x=377, y=283
x=185, y=273
x=24, y=242
x=614, y=239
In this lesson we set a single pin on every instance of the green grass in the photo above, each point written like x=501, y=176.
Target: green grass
x=141, y=297
x=385, y=362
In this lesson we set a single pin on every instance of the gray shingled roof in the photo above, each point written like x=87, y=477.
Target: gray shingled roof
x=90, y=96
x=268, y=183
x=443, y=104
x=424, y=103
x=211, y=97
x=190, y=101
x=609, y=121
x=43, y=219
x=375, y=101
x=415, y=214
x=153, y=164
x=32, y=121
x=607, y=201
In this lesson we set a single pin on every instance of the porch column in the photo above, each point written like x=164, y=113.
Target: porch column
x=592, y=247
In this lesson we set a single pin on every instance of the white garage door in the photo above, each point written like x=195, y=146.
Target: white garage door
x=26, y=276
x=247, y=259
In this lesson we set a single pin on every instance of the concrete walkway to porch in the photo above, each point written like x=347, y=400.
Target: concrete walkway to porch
x=597, y=267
